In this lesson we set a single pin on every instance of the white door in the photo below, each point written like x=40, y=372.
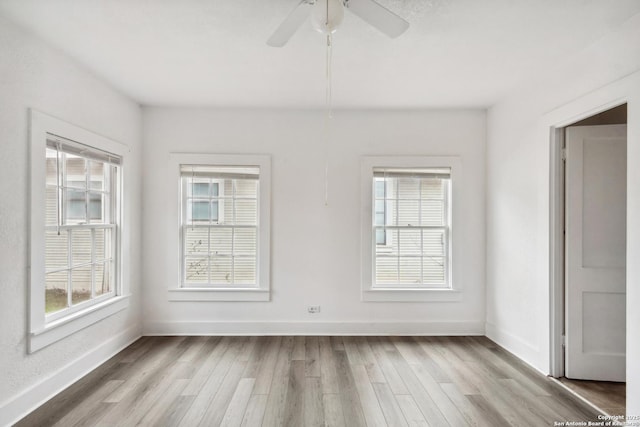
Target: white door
x=596, y=193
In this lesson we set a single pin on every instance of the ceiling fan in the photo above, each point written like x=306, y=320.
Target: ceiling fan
x=326, y=16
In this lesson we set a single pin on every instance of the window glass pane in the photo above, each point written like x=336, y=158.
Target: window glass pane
x=102, y=244
x=410, y=270
x=81, y=246
x=227, y=186
x=386, y=270
x=379, y=188
x=221, y=241
x=76, y=172
x=433, y=242
x=432, y=188
x=215, y=209
x=410, y=242
x=56, y=250
x=408, y=212
x=408, y=188
x=97, y=175
x=200, y=188
x=196, y=270
x=434, y=270
x=80, y=284
x=225, y=211
x=196, y=240
x=103, y=274
x=391, y=186
x=95, y=207
x=381, y=237
x=220, y=270
x=391, y=245
x=246, y=212
x=392, y=212
x=198, y=210
x=432, y=212
x=244, y=241
x=51, y=170
x=56, y=285
x=215, y=189
x=51, y=206
x=244, y=269
x=76, y=206
x=246, y=188
x=380, y=210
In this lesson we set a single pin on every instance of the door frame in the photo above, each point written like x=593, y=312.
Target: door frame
x=556, y=236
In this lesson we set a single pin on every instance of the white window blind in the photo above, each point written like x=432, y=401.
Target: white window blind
x=220, y=224
x=411, y=227
x=81, y=150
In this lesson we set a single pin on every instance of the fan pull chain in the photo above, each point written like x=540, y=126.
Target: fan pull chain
x=327, y=119
x=329, y=100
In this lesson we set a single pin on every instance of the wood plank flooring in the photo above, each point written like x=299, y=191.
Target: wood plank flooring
x=312, y=381
x=608, y=396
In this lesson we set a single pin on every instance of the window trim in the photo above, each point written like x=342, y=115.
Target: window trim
x=43, y=331
x=261, y=292
x=372, y=293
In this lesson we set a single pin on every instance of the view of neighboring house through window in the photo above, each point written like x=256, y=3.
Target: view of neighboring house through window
x=411, y=224
x=219, y=225
x=81, y=225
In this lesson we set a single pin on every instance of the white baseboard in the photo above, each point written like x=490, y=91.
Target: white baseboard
x=521, y=349
x=28, y=400
x=313, y=328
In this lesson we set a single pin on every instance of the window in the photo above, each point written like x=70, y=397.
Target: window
x=224, y=227
x=407, y=224
x=411, y=227
x=81, y=225
x=76, y=229
x=219, y=225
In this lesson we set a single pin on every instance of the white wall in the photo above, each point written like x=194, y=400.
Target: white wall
x=315, y=249
x=518, y=194
x=33, y=75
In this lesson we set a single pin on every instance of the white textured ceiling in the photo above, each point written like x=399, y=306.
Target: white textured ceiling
x=457, y=53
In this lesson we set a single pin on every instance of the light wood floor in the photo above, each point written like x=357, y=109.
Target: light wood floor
x=608, y=396
x=312, y=381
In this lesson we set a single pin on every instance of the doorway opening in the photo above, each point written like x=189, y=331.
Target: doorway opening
x=588, y=258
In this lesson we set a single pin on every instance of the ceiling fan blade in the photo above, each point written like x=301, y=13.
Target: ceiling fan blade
x=290, y=25
x=378, y=16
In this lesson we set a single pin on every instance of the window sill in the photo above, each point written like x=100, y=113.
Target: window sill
x=218, y=294
x=63, y=327
x=410, y=295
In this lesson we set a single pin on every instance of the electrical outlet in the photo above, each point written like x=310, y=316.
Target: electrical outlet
x=313, y=309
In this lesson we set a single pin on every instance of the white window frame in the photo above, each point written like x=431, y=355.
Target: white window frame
x=46, y=329
x=373, y=293
x=260, y=292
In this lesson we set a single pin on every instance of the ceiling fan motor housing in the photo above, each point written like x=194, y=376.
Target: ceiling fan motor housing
x=327, y=15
